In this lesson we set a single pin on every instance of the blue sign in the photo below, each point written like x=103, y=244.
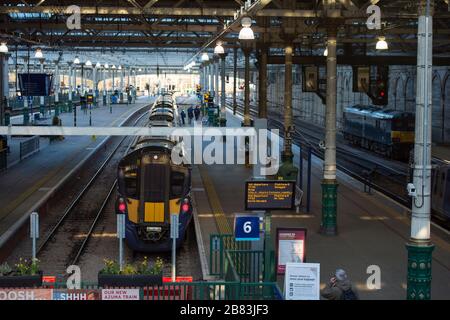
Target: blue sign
x=246, y=228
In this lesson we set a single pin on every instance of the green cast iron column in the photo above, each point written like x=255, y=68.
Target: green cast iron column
x=329, y=183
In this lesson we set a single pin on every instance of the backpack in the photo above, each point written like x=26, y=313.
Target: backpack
x=348, y=295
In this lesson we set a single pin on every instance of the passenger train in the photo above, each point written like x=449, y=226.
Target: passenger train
x=151, y=187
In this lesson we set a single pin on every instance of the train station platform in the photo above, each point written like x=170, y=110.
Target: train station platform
x=372, y=229
x=27, y=183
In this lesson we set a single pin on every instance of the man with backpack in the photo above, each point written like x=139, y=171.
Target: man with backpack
x=197, y=113
x=339, y=287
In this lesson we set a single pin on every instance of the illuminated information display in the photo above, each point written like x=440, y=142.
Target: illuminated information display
x=269, y=195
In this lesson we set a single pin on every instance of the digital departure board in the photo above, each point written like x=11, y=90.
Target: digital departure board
x=269, y=195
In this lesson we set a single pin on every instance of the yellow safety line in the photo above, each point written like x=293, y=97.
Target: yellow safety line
x=221, y=221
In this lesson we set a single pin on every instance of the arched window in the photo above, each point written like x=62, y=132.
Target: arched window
x=410, y=94
x=447, y=109
x=437, y=110
x=399, y=94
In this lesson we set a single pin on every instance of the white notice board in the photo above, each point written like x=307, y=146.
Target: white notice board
x=302, y=281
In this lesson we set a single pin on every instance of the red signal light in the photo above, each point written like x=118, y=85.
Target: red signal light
x=382, y=93
x=122, y=206
x=185, y=206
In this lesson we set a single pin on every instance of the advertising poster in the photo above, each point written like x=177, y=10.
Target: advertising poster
x=120, y=294
x=67, y=294
x=26, y=294
x=302, y=281
x=290, y=247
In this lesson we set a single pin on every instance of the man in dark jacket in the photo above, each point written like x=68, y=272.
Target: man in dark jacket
x=339, y=287
x=197, y=112
x=183, y=116
x=190, y=114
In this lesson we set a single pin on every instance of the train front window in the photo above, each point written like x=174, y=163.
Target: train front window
x=131, y=183
x=154, y=176
x=176, y=184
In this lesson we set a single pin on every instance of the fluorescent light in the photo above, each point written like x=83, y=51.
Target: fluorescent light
x=3, y=48
x=113, y=66
x=120, y=68
x=98, y=65
x=106, y=65
x=38, y=54
x=382, y=44
x=76, y=60
x=88, y=63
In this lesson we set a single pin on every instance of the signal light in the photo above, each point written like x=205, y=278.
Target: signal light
x=122, y=206
x=185, y=206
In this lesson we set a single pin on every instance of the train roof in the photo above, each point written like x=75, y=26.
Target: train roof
x=376, y=112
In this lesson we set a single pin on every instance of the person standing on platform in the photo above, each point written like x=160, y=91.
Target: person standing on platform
x=339, y=287
x=190, y=114
x=183, y=117
x=197, y=113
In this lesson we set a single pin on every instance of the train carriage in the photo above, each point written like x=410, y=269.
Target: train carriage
x=152, y=187
x=384, y=131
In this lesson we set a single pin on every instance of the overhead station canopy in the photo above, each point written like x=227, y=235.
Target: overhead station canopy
x=168, y=33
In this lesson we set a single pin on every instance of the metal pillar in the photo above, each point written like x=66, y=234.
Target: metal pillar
x=287, y=170
x=42, y=98
x=121, y=85
x=57, y=82
x=329, y=183
x=216, y=78
x=262, y=110
x=223, y=106
x=69, y=102
x=419, y=246
x=246, y=48
x=3, y=87
x=234, y=79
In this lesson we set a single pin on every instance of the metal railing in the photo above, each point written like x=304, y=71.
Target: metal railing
x=219, y=243
x=29, y=147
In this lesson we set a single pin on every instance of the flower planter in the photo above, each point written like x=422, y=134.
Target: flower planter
x=135, y=280
x=16, y=281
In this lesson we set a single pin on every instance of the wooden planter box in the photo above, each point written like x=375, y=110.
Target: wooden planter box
x=21, y=281
x=135, y=280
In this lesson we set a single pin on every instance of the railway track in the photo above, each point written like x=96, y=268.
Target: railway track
x=66, y=240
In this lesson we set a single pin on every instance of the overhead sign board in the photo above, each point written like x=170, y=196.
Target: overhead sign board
x=269, y=195
x=302, y=281
x=246, y=228
x=35, y=84
x=291, y=245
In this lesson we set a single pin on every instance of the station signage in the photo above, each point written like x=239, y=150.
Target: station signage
x=35, y=84
x=121, y=294
x=270, y=195
x=290, y=246
x=302, y=281
x=247, y=228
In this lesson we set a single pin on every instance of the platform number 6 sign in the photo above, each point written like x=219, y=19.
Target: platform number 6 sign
x=246, y=228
